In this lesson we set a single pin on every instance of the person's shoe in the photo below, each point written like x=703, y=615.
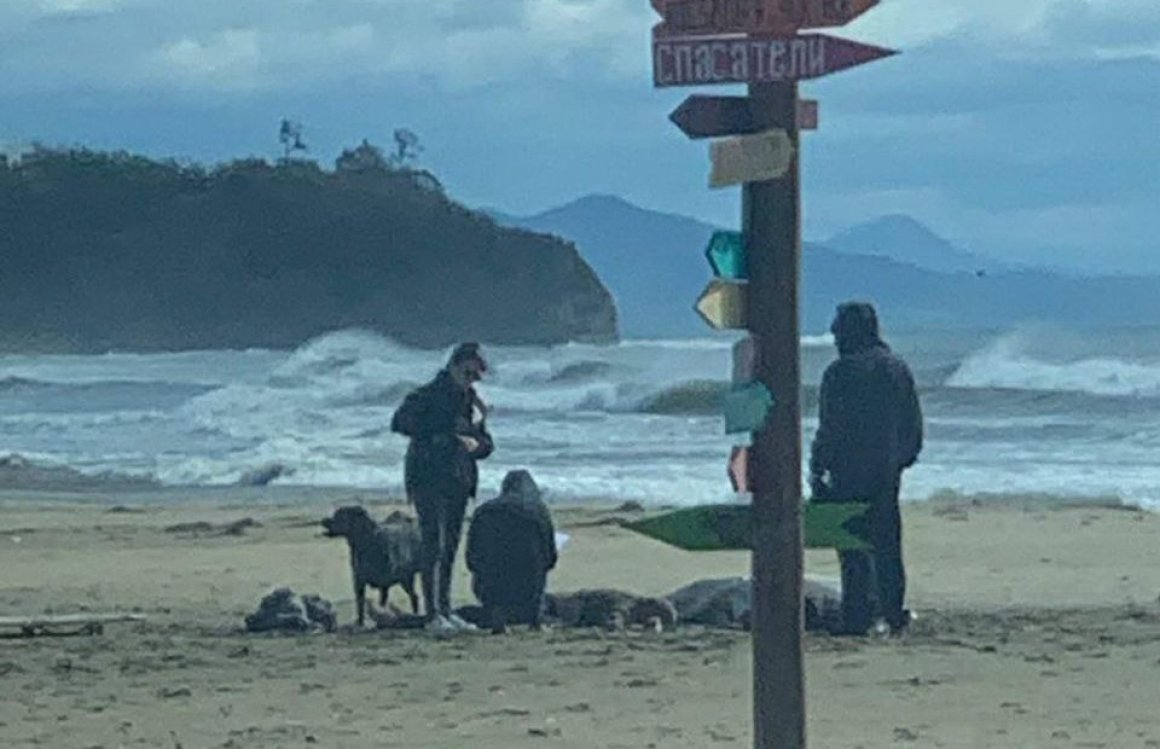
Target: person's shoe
x=440, y=626
x=460, y=624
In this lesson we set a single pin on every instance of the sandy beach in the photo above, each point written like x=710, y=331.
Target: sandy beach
x=1038, y=627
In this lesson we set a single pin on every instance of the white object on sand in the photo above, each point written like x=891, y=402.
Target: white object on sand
x=561, y=541
x=88, y=623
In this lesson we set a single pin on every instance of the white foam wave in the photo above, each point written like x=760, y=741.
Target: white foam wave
x=1005, y=364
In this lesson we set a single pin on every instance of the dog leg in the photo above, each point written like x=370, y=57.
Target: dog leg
x=360, y=602
x=409, y=586
x=383, y=593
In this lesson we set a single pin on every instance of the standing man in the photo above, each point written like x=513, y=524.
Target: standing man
x=445, y=420
x=869, y=431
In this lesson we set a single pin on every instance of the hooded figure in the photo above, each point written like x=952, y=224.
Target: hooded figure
x=511, y=547
x=446, y=421
x=869, y=431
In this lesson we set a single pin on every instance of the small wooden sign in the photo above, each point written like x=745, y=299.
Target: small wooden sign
x=750, y=158
x=722, y=305
x=747, y=407
x=744, y=360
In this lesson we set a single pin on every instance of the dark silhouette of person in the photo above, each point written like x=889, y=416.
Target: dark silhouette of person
x=511, y=548
x=446, y=421
x=869, y=432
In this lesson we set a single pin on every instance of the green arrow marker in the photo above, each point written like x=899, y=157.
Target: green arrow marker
x=726, y=255
x=746, y=408
x=843, y=526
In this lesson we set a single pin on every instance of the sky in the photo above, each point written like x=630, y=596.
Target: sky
x=1020, y=129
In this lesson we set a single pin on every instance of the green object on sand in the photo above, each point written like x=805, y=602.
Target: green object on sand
x=843, y=526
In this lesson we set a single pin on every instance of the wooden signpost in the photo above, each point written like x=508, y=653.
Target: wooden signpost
x=756, y=42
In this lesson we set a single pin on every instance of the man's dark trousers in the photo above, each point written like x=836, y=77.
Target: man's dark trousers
x=878, y=573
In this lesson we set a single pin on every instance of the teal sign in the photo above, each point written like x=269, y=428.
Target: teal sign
x=844, y=526
x=746, y=408
x=726, y=255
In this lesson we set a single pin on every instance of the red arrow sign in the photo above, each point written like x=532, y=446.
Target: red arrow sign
x=730, y=59
x=739, y=469
x=711, y=17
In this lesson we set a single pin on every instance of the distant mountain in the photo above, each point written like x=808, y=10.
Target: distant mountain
x=654, y=265
x=902, y=238
x=651, y=262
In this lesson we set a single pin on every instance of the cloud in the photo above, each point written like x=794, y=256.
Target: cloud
x=1015, y=126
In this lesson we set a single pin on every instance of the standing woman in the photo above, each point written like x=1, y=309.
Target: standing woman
x=446, y=422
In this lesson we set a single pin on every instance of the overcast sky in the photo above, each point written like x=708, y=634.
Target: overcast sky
x=1023, y=129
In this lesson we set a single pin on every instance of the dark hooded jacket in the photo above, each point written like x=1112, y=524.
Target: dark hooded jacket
x=870, y=420
x=511, y=545
x=434, y=416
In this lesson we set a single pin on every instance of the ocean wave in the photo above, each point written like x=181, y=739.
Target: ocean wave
x=21, y=472
x=1005, y=365
x=580, y=371
x=696, y=398
x=13, y=384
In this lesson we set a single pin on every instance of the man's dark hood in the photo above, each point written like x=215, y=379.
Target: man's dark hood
x=855, y=328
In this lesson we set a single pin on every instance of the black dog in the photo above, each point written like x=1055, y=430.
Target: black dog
x=511, y=547
x=380, y=555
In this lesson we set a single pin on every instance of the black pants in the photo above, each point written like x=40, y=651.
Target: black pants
x=441, y=525
x=877, y=574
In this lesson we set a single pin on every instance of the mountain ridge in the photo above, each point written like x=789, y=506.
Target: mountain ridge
x=653, y=264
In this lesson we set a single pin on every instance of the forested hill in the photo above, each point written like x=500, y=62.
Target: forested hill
x=114, y=251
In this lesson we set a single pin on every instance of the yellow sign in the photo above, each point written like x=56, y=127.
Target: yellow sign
x=750, y=158
x=722, y=304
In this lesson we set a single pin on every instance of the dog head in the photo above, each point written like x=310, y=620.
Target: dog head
x=348, y=522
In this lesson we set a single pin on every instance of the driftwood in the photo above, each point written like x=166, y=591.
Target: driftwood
x=48, y=624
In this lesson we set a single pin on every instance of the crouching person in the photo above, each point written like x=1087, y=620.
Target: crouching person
x=511, y=547
x=445, y=420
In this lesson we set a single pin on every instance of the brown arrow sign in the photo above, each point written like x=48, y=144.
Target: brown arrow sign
x=710, y=17
x=701, y=116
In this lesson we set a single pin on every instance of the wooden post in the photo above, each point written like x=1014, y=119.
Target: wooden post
x=771, y=222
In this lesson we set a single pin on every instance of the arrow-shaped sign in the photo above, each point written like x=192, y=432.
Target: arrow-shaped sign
x=730, y=59
x=744, y=360
x=722, y=305
x=739, y=469
x=750, y=158
x=710, y=17
x=702, y=116
x=746, y=407
x=726, y=255
x=730, y=527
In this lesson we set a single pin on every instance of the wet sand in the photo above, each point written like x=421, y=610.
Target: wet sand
x=1038, y=628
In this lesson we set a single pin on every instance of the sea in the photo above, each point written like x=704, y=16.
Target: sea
x=1032, y=411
